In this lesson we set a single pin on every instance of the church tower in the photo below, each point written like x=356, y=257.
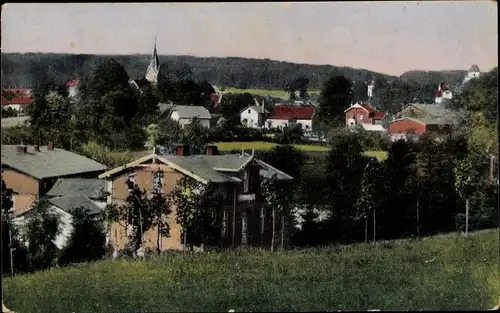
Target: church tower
x=153, y=67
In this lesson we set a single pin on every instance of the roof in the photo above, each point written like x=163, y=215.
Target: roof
x=22, y=100
x=435, y=110
x=286, y=112
x=73, y=83
x=376, y=114
x=91, y=188
x=17, y=91
x=474, y=68
x=430, y=120
x=14, y=121
x=371, y=127
x=69, y=204
x=206, y=168
x=256, y=108
x=48, y=163
x=216, y=98
x=192, y=111
x=163, y=107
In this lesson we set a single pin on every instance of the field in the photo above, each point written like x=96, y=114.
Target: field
x=447, y=272
x=262, y=145
x=265, y=92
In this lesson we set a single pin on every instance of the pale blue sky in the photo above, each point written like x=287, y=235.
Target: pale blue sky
x=388, y=37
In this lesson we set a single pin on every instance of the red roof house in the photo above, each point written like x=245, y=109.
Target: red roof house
x=17, y=91
x=362, y=113
x=72, y=83
x=17, y=101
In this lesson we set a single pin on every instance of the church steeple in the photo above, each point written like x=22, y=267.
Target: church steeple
x=154, y=67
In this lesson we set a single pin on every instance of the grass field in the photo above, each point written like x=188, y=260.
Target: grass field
x=447, y=272
x=265, y=92
x=262, y=145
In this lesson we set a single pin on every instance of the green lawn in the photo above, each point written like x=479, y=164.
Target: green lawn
x=265, y=92
x=262, y=145
x=448, y=272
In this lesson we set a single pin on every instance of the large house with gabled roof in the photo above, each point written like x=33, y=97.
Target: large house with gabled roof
x=243, y=220
x=31, y=171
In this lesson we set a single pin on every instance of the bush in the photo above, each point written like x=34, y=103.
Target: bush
x=105, y=155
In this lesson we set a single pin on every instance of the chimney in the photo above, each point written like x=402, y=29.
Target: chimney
x=50, y=146
x=22, y=149
x=36, y=148
x=212, y=150
x=179, y=150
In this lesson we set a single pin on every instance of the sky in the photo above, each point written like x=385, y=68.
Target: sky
x=387, y=37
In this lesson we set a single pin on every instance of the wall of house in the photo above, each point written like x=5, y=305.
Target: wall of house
x=250, y=118
x=404, y=126
x=275, y=123
x=360, y=115
x=24, y=187
x=144, y=179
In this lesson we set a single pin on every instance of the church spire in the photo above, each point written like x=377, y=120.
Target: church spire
x=154, y=67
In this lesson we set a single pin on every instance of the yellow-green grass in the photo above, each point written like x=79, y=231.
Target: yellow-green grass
x=264, y=92
x=447, y=272
x=262, y=145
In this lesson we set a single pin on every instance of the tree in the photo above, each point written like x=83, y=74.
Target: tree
x=286, y=158
x=87, y=241
x=195, y=136
x=368, y=200
x=107, y=77
x=41, y=231
x=336, y=96
x=160, y=205
x=13, y=253
x=197, y=208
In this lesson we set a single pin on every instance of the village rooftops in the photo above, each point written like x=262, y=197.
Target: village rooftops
x=287, y=112
x=191, y=111
x=206, y=168
x=20, y=100
x=88, y=187
x=47, y=162
x=71, y=203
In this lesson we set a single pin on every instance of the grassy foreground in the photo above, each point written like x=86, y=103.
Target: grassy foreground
x=265, y=92
x=447, y=272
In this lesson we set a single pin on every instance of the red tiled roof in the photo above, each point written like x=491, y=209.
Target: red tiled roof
x=376, y=114
x=379, y=115
x=215, y=98
x=17, y=100
x=438, y=93
x=286, y=112
x=73, y=83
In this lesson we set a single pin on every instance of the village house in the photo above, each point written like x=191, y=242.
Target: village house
x=254, y=116
x=16, y=103
x=443, y=93
x=237, y=175
x=21, y=92
x=184, y=115
x=365, y=115
x=420, y=118
x=288, y=115
x=63, y=208
x=31, y=171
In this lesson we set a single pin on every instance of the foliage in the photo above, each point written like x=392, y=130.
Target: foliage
x=286, y=158
x=195, y=136
x=87, y=241
x=369, y=197
x=40, y=232
x=197, y=207
x=336, y=96
x=105, y=155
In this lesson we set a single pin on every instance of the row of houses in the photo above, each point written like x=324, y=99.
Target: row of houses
x=68, y=181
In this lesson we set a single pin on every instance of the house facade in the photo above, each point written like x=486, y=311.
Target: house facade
x=73, y=88
x=443, y=92
x=237, y=176
x=31, y=171
x=473, y=73
x=17, y=103
x=288, y=115
x=184, y=115
x=363, y=114
x=254, y=116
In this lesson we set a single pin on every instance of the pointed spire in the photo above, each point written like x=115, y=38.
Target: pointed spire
x=154, y=66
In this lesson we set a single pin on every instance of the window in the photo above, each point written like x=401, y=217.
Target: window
x=307, y=126
x=244, y=234
x=361, y=117
x=248, y=111
x=224, y=224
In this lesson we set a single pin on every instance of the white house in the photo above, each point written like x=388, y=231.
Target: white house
x=184, y=115
x=473, y=73
x=63, y=208
x=73, y=88
x=254, y=116
x=287, y=115
x=443, y=92
x=16, y=103
x=371, y=86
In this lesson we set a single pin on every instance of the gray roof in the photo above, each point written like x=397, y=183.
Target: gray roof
x=71, y=203
x=432, y=109
x=48, y=163
x=163, y=107
x=91, y=188
x=192, y=111
x=217, y=168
